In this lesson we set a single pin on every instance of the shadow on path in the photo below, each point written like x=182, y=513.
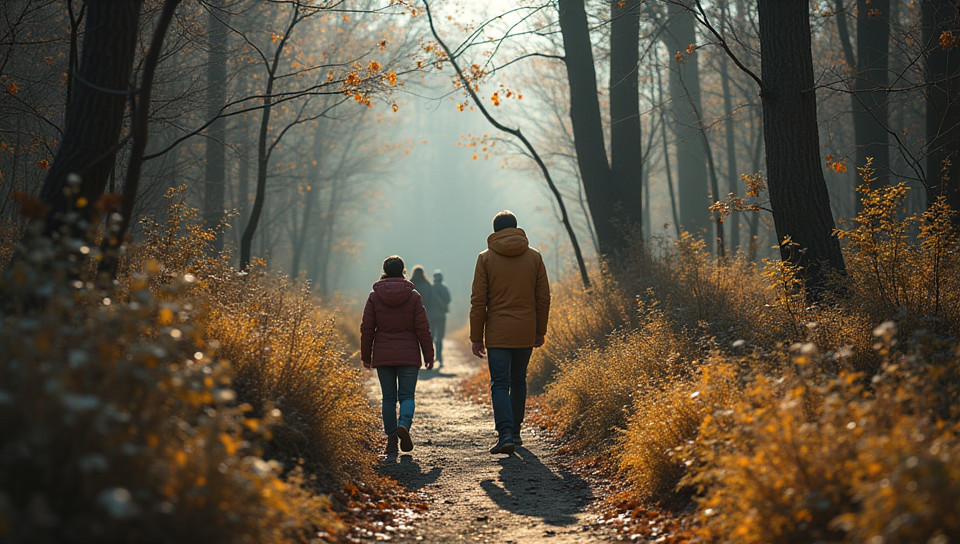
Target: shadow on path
x=527, y=487
x=426, y=375
x=408, y=472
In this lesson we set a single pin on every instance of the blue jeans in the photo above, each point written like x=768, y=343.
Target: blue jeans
x=397, y=383
x=508, y=386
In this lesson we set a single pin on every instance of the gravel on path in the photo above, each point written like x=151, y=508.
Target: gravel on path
x=474, y=496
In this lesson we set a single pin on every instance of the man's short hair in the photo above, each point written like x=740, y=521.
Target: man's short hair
x=393, y=267
x=504, y=220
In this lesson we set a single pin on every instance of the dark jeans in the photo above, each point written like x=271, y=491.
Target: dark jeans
x=508, y=386
x=438, y=328
x=398, y=384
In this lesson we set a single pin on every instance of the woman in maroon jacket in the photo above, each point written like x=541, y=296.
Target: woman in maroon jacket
x=393, y=333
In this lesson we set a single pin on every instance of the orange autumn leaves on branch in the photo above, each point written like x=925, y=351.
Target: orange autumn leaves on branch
x=734, y=203
x=837, y=166
x=497, y=97
x=473, y=76
x=948, y=40
x=362, y=80
x=682, y=55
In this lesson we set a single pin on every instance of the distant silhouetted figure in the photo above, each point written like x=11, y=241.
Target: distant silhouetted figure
x=431, y=303
x=509, y=306
x=439, y=326
x=393, y=333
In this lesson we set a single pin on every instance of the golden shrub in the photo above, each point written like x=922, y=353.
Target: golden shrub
x=285, y=354
x=724, y=300
x=793, y=420
x=578, y=318
x=807, y=458
x=903, y=268
x=116, y=425
x=284, y=349
x=148, y=411
x=593, y=393
x=653, y=453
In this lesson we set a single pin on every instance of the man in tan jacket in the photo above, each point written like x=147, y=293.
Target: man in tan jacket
x=508, y=318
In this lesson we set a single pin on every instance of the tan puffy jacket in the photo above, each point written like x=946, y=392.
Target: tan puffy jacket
x=511, y=294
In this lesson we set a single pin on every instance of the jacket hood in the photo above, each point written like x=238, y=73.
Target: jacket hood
x=393, y=291
x=508, y=242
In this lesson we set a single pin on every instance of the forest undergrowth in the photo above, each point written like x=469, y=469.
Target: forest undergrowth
x=188, y=402
x=746, y=411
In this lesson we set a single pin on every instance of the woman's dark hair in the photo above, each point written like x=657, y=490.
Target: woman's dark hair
x=418, y=275
x=504, y=220
x=392, y=267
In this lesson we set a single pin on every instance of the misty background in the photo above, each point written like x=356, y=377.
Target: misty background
x=437, y=204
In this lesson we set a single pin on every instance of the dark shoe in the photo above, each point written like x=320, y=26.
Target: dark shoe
x=391, y=444
x=504, y=445
x=517, y=441
x=404, y=435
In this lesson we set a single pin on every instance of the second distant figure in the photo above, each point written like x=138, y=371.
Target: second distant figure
x=394, y=333
x=431, y=302
x=439, y=327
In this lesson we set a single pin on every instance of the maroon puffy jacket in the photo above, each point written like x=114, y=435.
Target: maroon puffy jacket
x=394, y=329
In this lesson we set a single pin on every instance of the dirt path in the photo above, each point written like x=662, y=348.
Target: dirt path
x=474, y=496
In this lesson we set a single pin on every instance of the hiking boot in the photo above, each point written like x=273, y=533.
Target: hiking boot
x=517, y=441
x=391, y=444
x=404, y=435
x=504, y=445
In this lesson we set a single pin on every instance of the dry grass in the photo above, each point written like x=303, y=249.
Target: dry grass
x=117, y=425
x=594, y=391
x=653, y=452
x=151, y=408
x=791, y=421
x=806, y=458
x=578, y=319
x=285, y=351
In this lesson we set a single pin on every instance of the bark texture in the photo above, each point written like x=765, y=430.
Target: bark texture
x=870, y=87
x=798, y=192
x=943, y=100
x=684, y=88
x=215, y=179
x=614, y=200
x=95, y=112
x=626, y=153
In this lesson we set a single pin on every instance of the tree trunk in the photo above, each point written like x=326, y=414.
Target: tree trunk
x=263, y=158
x=721, y=251
x=943, y=102
x=326, y=238
x=754, y=218
x=870, y=88
x=213, y=194
x=666, y=159
x=310, y=195
x=626, y=151
x=798, y=192
x=585, y=118
x=684, y=85
x=139, y=135
x=733, y=177
x=243, y=175
x=96, y=110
